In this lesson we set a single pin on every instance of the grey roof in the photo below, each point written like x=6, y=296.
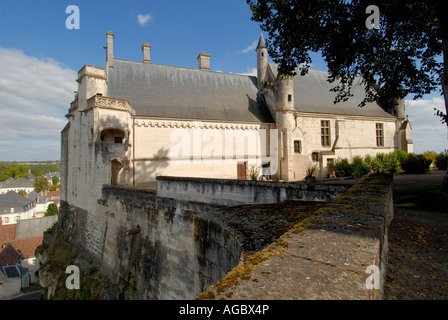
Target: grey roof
x=261, y=43
x=312, y=94
x=15, y=200
x=33, y=197
x=173, y=92
x=17, y=183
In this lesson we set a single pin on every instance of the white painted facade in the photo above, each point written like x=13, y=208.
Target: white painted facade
x=107, y=142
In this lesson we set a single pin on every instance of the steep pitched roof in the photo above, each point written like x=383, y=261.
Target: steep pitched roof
x=26, y=247
x=13, y=199
x=9, y=256
x=173, y=92
x=261, y=43
x=312, y=94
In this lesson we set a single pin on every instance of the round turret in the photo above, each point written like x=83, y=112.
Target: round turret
x=262, y=62
x=284, y=92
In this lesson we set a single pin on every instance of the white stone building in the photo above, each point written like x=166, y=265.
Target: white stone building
x=16, y=185
x=134, y=120
x=15, y=207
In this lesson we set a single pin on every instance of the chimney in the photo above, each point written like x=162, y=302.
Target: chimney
x=204, y=61
x=146, y=48
x=110, y=50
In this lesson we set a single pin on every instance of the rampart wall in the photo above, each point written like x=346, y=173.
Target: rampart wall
x=235, y=192
x=340, y=252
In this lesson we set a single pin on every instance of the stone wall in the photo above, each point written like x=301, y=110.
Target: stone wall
x=330, y=255
x=34, y=227
x=235, y=192
x=171, y=248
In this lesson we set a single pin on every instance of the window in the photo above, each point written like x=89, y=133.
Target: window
x=297, y=146
x=315, y=156
x=118, y=139
x=6, y=219
x=16, y=218
x=289, y=97
x=379, y=135
x=325, y=132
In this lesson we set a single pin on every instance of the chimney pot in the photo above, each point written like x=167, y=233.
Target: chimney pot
x=110, y=49
x=146, y=48
x=204, y=61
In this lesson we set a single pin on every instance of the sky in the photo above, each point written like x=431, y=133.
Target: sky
x=40, y=58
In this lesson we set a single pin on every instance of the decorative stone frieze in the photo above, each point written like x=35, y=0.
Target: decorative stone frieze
x=111, y=103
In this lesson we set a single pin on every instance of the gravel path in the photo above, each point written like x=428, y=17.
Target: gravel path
x=418, y=248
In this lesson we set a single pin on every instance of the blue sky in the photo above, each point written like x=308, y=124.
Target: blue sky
x=39, y=59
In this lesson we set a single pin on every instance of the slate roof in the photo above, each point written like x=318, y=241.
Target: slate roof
x=312, y=95
x=13, y=199
x=17, y=183
x=174, y=92
x=33, y=195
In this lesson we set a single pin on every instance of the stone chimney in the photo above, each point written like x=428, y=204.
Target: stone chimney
x=110, y=50
x=146, y=48
x=204, y=61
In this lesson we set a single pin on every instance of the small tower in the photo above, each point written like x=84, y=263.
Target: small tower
x=284, y=116
x=262, y=62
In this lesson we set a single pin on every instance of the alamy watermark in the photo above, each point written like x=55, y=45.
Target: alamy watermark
x=73, y=20
x=373, y=21
x=72, y=281
x=216, y=146
x=373, y=280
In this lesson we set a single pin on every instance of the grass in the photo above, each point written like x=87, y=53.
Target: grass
x=426, y=198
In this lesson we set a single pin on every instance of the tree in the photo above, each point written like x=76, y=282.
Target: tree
x=406, y=55
x=52, y=210
x=40, y=184
x=54, y=180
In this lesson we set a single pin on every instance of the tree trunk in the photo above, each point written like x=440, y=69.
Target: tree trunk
x=444, y=36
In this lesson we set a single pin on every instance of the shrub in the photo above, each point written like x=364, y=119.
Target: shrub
x=254, y=172
x=51, y=210
x=359, y=167
x=386, y=163
x=430, y=155
x=343, y=168
x=415, y=163
x=311, y=171
x=442, y=160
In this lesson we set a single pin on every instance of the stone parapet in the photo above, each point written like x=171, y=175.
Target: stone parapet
x=328, y=256
x=230, y=192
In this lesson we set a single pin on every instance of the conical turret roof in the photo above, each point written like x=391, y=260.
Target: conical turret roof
x=261, y=43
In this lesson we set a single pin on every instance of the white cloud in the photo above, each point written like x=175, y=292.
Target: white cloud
x=143, y=19
x=250, y=72
x=428, y=132
x=35, y=94
x=250, y=47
